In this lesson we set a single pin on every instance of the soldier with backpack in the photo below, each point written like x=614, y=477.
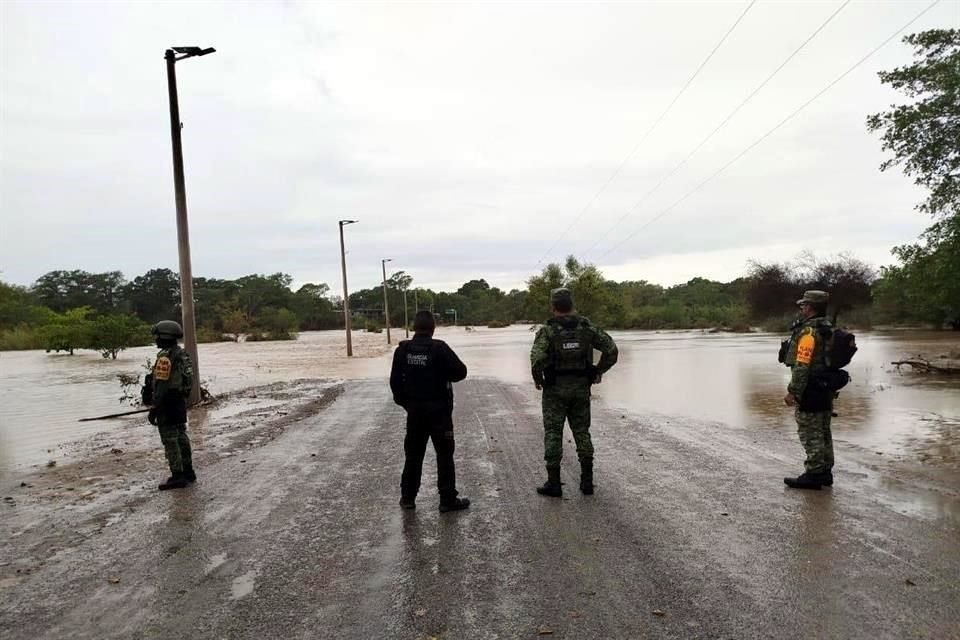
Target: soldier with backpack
x=562, y=366
x=815, y=353
x=166, y=390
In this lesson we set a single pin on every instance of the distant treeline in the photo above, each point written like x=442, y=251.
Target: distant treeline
x=68, y=310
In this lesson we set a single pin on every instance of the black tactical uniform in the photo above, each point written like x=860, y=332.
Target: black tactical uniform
x=420, y=379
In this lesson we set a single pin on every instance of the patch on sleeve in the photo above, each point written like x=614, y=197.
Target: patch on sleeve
x=805, y=349
x=162, y=369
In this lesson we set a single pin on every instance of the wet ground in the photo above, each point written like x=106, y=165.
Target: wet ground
x=691, y=535
x=293, y=529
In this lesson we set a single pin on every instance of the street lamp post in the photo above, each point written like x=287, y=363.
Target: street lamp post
x=183, y=229
x=406, y=318
x=386, y=302
x=346, y=294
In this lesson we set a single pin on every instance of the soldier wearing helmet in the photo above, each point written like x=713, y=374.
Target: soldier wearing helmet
x=561, y=362
x=166, y=391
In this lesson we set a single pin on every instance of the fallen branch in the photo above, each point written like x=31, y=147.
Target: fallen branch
x=928, y=367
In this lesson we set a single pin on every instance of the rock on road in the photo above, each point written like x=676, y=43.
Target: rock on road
x=691, y=534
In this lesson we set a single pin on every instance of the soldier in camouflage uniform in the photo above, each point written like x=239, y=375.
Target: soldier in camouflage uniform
x=806, y=356
x=166, y=391
x=561, y=362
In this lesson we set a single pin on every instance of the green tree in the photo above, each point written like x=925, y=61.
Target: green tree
x=112, y=334
x=154, y=296
x=234, y=321
x=68, y=331
x=924, y=139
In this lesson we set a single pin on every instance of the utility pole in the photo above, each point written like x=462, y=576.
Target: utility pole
x=416, y=303
x=183, y=229
x=386, y=302
x=346, y=294
x=406, y=319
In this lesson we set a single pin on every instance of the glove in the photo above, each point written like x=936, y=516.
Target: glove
x=597, y=376
x=152, y=417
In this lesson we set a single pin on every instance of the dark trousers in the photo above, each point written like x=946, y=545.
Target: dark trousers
x=429, y=423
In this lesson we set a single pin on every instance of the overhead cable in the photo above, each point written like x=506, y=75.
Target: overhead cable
x=766, y=135
x=720, y=126
x=650, y=130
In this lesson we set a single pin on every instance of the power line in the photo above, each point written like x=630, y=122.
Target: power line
x=720, y=126
x=771, y=131
x=656, y=122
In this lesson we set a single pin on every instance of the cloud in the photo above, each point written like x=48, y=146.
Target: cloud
x=466, y=138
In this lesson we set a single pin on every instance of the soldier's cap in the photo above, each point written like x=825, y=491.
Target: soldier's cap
x=561, y=294
x=814, y=297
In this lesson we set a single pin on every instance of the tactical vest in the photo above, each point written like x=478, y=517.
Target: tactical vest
x=571, y=351
x=423, y=378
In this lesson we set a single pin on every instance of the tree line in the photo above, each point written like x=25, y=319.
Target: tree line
x=69, y=310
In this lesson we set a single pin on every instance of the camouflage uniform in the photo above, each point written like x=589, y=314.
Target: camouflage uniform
x=567, y=396
x=172, y=383
x=806, y=357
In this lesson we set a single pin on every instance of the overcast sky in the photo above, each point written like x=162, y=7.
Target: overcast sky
x=465, y=138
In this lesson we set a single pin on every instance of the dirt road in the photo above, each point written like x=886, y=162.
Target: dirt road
x=691, y=535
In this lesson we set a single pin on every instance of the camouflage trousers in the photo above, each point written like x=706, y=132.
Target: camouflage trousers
x=176, y=446
x=561, y=405
x=817, y=441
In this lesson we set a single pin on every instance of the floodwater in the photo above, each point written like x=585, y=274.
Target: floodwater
x=726, y=378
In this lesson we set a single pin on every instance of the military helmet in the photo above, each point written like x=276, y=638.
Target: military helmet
x=561, y=294
x=814, y=297
x=167, y=329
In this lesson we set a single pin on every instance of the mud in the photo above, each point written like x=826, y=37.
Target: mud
x=691, y=535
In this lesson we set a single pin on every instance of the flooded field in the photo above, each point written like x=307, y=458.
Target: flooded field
x=725, y=378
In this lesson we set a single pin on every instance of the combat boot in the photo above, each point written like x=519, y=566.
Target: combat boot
x=552, y=487
x=804, y=481
x=454, y=504
x=176, y=481
x=826, y=478
x=586, y=478
x=190, y=475
x=408, y=503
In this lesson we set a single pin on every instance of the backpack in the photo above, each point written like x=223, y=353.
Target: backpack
x=841, y=347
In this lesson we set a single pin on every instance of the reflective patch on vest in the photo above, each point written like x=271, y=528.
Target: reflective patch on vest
x=805, y=349
x=418, y=359
x=570, y=346
x=162, y=369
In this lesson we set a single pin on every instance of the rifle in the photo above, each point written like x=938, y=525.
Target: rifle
x=114, y=415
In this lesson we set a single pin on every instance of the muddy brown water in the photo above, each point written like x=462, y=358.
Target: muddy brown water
x=726, y=378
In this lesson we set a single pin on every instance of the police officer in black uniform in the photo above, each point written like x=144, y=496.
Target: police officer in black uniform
x=421, y=381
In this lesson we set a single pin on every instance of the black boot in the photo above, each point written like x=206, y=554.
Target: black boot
x=586, y=478
x=454, y=504
x=189, y=474
x=176, y=481
x=408, y=503
x=826, y=478
x=804, y=481
x=552, y=486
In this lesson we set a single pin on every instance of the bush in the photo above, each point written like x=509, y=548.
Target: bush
x=372, y=326
x=498, y=324
x=277, y=324
x=21, y=339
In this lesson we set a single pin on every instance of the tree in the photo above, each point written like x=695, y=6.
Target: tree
x=924, y=138
x=848, y=280
x=235, y=322
x=112, y=334
x=771, y=289
x=68, y=331
x=154, y=296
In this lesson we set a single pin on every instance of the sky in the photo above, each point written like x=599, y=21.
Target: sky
x=469, y=140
